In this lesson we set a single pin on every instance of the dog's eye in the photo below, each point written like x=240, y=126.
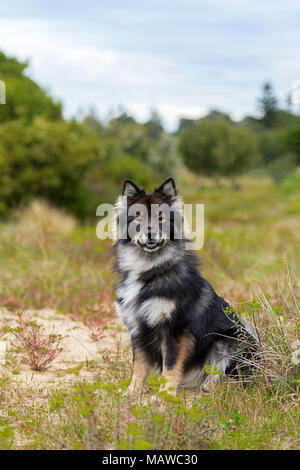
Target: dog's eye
x=161, y=217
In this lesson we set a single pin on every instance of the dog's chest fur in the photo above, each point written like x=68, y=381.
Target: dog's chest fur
x=136, y=301
x=131, y=309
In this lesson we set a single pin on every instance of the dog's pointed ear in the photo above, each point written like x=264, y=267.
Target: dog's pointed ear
x=168, y=188
x=130, y=189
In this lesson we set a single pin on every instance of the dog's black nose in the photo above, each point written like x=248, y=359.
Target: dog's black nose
x=152, y=234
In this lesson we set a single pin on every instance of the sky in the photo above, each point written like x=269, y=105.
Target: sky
x=181, y=57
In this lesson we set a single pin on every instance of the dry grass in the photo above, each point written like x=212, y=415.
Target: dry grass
x=39, y=221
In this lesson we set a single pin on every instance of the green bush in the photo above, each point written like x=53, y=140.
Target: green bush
x=218, y=148
x=46, y=159
x=293, y=140
x=282, y=167
x=24, y=98
x=106, y=179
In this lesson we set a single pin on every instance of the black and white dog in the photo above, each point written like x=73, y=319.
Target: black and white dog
x=178, y=324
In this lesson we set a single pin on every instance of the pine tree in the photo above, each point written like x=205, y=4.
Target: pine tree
x=268, y=105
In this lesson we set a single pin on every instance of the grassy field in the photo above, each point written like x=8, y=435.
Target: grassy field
x=56, y=279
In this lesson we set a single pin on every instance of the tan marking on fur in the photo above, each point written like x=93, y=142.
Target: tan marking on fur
x=174, y=375
x=141, y=370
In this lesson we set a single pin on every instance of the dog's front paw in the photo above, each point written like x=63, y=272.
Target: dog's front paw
x=206, y=387
x=134, y=388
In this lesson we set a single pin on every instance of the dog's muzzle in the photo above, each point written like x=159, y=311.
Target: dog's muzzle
x=151, y=245
x=151, y=241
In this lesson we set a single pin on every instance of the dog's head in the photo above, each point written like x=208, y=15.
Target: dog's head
x=149, y=221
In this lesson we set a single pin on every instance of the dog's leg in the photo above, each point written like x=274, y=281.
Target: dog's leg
x=209, y=382
x=218, y=360
x=141, y=370
x=174, y=355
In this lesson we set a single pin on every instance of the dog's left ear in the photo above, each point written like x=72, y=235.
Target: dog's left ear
x=168, y=188
x=130, y=189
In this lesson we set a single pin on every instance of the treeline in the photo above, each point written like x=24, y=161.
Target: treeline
x=216, y=146
x=79, y=163
x=76, y=164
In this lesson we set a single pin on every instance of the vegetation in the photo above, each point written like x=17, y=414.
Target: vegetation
x=24, y=98
x=38, y=349
x=217, y=148
x=74, y=164
x=77, y=164
x=66, y=389
x=268, y=106
x=46, y=159
x=250, y=256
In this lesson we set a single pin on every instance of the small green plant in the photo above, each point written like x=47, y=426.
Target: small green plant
x=159, y=420
x=6, y=437
x=38, y=349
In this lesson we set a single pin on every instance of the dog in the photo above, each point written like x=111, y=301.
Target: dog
x=177, y=323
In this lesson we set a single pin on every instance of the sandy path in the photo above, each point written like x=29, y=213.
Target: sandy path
x=78, y=349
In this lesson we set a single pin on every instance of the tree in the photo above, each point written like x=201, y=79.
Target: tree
x=91, y=120
x=149, y=143
x=24, y=98
x=50, y=160
x=185, y=123
x=217, y=148
x=272, y=144
x=123, y=118
x=215, y=115
x=154, y=127
x=237, y=152
x=164, y=158
x=131, y=137
x=292, y=139
x=196, y=145
x=268, y=105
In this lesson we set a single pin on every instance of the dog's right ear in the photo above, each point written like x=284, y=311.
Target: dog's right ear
x=130, y=189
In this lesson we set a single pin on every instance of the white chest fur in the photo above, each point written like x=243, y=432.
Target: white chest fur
x=154, y=310
x=128, y=292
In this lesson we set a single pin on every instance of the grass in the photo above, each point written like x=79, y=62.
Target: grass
x=251, y=256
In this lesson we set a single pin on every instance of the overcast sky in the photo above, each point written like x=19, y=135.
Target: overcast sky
x=182, y=57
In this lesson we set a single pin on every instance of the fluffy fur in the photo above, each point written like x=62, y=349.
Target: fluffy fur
x=177, y=323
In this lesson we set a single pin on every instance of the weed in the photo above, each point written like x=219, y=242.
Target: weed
x=38, y=350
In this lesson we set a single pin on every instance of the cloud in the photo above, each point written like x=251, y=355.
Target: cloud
x=86, y=76
x=181, y=57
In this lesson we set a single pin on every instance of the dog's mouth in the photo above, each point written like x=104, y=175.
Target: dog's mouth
x=151, y=245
